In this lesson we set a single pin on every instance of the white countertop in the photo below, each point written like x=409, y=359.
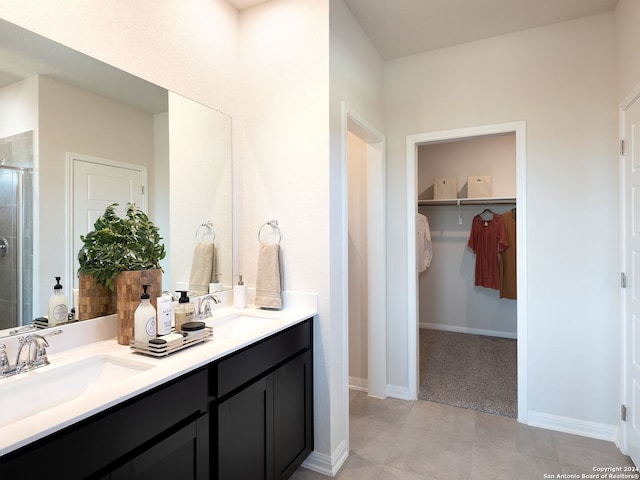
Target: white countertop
x=45, y=422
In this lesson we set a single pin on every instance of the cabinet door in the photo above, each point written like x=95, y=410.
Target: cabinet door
x=183, y=455
x=245, y=427
x=293, y=414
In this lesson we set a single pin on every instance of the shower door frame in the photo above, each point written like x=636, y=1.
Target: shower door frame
x=19, y=244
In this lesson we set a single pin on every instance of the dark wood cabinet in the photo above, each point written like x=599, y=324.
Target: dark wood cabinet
x=264, y=421
x=248, y=415
x=176, y=456
x=103, y=443
x=292, y=414
x=245, y=423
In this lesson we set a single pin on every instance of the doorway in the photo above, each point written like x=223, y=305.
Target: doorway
x=468, y=346
x=364, y=244
x=413, y=142
x=95, y=184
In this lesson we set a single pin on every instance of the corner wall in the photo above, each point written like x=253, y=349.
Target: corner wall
x=561, y=80
x=191, y=51
x=357, y=79
x=284, y=157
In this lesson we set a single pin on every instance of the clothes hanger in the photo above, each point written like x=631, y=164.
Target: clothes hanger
x=487, y=210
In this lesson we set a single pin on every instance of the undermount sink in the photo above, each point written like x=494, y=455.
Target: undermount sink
x=242, y=324
x=29, y=393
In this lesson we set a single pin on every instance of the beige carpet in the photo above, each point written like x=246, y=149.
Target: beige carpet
x=469, y=371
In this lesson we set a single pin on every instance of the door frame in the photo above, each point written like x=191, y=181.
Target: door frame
x=630, y=99
x=413, y=352
x=354, y=122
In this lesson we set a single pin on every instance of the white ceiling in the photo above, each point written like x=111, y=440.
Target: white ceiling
x=404, y=27
x=396, y=27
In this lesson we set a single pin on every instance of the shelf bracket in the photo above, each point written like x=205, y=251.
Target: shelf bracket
x=459, y=212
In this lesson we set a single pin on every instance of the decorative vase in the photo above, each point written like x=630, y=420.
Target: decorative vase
x=129, y=288
x=94, y=300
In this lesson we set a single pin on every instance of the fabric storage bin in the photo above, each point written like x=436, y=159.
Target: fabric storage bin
x=445, y=188
x=479, y=186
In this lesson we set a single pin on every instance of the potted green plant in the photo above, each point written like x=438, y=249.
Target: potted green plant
x=122, y=254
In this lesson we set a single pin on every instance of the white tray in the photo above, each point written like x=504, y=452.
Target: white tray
x=164, y=350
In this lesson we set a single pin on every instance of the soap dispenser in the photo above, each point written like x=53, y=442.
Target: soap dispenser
x=185, y=311
x=240, y=294
x=144, y=328
x=58, y=305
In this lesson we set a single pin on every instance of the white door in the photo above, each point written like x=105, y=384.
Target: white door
x=631, y=295
x=97, y=184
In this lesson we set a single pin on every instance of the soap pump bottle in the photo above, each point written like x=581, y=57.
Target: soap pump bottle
x=58, y=305
x=240, y=294
x=144, y=328
x=185, y=311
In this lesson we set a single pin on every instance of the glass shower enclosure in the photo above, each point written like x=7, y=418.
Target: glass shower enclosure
x=16, y=230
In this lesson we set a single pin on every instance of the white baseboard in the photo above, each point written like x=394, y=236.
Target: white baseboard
x=325, y=464
x=601, y=431
x=396, y=391
x=359, y=384
x=474, y=331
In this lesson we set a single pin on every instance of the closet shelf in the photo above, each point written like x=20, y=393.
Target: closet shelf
x=470, y=201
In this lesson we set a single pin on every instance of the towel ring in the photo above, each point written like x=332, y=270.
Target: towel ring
x=274, y=226
x=208, y=230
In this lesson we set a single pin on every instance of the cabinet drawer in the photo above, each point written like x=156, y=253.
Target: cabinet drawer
x=241, y=367
x=90, y=446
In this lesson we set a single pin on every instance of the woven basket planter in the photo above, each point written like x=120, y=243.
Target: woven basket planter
x=129, y=287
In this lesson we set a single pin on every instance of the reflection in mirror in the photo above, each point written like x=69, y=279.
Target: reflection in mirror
x=16, y=228
x=200, y=143
x=89, y=119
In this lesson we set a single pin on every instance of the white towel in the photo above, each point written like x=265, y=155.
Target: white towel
x=268, y=280
x=424, y=246
x=202, y=268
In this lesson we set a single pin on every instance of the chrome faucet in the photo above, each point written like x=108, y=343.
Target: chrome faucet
x=204, y=306
x=32, y=353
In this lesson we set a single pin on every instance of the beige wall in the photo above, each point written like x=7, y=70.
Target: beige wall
x=191, y=51
x=284, y=65
x=358, y=272
x=19, y=107
x=628, y=38
x=447, y=296
x=561, y=81
x=492, y=155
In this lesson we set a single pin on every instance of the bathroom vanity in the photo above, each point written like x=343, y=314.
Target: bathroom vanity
x=239, y=406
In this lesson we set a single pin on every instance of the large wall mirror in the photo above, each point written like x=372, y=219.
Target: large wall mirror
x=70, y=123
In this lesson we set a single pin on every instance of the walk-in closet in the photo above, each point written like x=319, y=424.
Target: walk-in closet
x=467, y=316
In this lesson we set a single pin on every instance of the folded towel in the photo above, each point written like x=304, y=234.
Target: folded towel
x=268, y=281
x=201, y=268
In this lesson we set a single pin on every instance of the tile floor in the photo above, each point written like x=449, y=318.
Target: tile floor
x=396, y=439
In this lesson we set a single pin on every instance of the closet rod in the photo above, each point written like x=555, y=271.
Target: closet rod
x=470, y=201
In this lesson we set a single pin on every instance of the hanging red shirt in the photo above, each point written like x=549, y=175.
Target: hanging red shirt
x=488, y=240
